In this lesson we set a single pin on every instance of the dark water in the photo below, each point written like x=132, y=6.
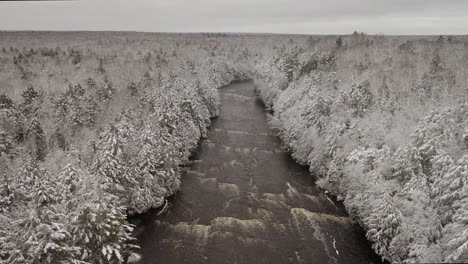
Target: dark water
x=244, y=200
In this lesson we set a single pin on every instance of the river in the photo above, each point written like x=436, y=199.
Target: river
x=243, y=199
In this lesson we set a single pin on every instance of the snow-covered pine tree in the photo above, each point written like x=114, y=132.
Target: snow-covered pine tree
x=90, y=110
x=125, y=125
x=448, y=186
x=109, y=170
x=383, y=225
x=69, y=179
x=192, y=103
x=424, y=254
x=45, y=190
x=416, y=187
x=458, y=245
x=169, y=113
x=6, y=102
x=308, y=64
x=6, y=194
x=108, y=166
x=6, y=143
x=38, y=137
x=41, y=235
x=106, y=92
x=289, y=62
x=406, y=163
x=434, y=133
x=26, y=178
x=99, y=227
x=29, y=94
x=358, y=97
x=210, y=96
x=148, y=192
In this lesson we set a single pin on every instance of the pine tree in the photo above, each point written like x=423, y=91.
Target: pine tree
x=289, y=63
x=459, y=244
x=6, y=194
x=76, y=106
x=6, y=144
x=192, y=104
x=125, y=125
x=149, y=168
x=26, y=178
x=29, y=95
x=416, y=188
x=99, y=227
x=110, y=171
x=339, y=42
x=406, y=163
x=91, y=83
x=45, y=190
x=383, y=225
x=359, y=97
x=106, y=92
x=41, y=236
x=434, y=132
x=169, y=114
x=38, y=135
x=132, y=88
x=6, y=102
x=109, y=166
x=441, y=163
x=90, y=110
x=448, y=186
x=69, y=179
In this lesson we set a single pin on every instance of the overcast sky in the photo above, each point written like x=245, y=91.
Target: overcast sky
x=267, y=16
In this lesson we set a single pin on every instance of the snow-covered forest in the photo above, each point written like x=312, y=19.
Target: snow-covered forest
x=94, y=127
x=383, y=124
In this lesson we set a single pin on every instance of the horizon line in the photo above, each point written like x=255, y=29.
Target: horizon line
x=209, y=32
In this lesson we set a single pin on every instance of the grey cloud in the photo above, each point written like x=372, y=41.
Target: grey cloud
x=276, y=16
